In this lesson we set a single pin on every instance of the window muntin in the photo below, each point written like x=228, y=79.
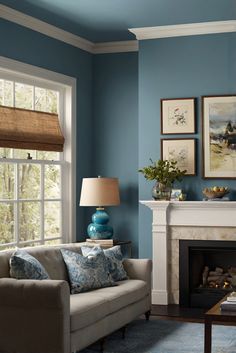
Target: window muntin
x=30, y=189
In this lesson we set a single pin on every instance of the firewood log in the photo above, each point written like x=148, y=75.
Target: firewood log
x=205, y=275
x=219, y=270
x=214, y=273
x=217, y=279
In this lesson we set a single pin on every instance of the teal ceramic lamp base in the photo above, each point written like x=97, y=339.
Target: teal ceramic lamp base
x=99, y=229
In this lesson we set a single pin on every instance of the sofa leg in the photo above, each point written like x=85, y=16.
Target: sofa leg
x=147, y=315
x=102, y=344
x=123, y=331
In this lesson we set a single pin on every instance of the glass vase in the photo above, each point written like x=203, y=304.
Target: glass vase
x=161, y=192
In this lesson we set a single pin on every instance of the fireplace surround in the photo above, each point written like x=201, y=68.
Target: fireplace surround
x=187, y=220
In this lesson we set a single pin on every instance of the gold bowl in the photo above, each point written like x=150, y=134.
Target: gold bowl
x=212, y=194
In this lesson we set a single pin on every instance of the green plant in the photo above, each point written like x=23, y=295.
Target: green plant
x=165, y=172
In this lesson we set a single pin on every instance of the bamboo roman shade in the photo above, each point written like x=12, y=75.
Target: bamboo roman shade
x=29, y=129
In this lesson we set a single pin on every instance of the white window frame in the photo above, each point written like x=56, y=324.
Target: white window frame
x=29, y=74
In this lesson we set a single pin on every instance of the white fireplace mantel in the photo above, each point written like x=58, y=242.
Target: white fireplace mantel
x=185, y=213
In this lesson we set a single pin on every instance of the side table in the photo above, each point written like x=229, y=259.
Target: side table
x=126, y=246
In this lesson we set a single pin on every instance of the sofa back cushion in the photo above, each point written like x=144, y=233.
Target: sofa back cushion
x=25, y=266
x=87, y=272
x=49, y=256
x=114, y=258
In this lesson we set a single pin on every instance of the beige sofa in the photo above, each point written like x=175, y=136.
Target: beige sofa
x=42, y=317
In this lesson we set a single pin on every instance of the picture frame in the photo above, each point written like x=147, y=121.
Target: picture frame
x=181, y=150
x=175, y=194
x=219, y=136
x=178, y=116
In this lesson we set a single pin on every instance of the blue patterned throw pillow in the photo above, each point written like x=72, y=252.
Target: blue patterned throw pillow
x=87, y=272
x=114, y=258
x=25, y=266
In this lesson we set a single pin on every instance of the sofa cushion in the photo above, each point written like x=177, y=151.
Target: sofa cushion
x=114, y=258
x=87, y=308
x=86, y=273
x=25, y=266
x=50, y=258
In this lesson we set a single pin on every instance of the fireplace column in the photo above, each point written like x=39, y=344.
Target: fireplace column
x=159, y=252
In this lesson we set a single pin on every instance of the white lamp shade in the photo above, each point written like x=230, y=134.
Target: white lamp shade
x=100, y=192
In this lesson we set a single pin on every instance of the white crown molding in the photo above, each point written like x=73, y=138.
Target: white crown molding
x=18, y=17
x=115, y=47
x=189, y=29
x=34, y=24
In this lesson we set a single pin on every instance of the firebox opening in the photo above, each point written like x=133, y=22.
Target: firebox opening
x=207, y=271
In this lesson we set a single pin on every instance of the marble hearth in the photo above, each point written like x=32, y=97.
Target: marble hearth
x=174, y=220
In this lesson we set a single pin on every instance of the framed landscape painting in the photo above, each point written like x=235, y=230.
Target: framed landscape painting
x=219, y=136
x=180, y=150
x=178, y=116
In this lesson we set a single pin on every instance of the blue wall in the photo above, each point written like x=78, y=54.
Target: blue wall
x=115, y=138
x=179, y=67
x=107, y=126
x=31, y=47
x=111, y=88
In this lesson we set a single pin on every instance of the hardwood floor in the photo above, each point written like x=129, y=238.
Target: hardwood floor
x=175, y=312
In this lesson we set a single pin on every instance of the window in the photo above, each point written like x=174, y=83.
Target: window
x=32, y=200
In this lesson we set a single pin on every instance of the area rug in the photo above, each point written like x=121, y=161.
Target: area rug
x=163, y=336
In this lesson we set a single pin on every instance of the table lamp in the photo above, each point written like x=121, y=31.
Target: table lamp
x=100, y=192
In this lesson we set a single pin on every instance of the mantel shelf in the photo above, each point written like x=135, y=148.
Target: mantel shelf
x=195, y=213
x=189, y=204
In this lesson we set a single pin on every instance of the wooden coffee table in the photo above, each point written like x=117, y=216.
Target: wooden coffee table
x=216, y=315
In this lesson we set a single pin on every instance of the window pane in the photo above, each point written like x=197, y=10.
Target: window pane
x=46, y=100
x=6, y=181
x=40, y=99
x=52, y=101
x=8, y=93
x=29, y=221
x=52, y=212
x=7, y=223
x=5, y=152
x=53, y=242
x=23, y=154
x=23, y=96
x=29, y=181
x=52, y=182
x=49, y=156
x=34, y=243
x=6, y=247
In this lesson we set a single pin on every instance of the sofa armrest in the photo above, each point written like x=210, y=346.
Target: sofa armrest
x=139, y=269
x=35, y=316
